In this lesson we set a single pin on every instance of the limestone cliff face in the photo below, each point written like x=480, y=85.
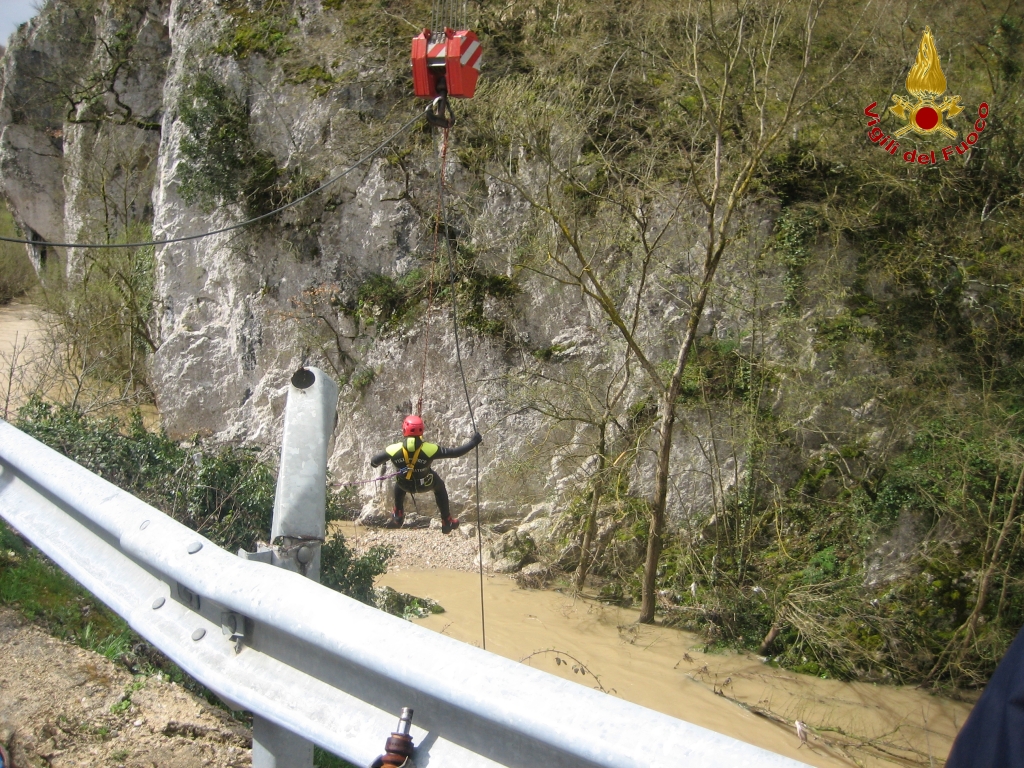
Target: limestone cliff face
x=91, y=146
x=80, y=113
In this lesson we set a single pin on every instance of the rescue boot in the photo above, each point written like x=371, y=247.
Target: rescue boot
x=448, y=525
x=397, y=518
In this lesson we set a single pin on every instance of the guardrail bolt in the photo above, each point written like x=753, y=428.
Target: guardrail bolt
x=405, y=721
x=188, y=597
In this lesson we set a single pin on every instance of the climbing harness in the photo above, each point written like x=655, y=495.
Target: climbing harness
x=184, y=238
x=398, y=748
x=411, y=464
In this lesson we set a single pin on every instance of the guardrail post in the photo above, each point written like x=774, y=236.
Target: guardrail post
x=298, y=528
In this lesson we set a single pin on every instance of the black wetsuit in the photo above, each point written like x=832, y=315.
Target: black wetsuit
x=413, y=451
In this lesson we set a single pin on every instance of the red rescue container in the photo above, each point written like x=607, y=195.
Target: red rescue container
x=445, y=63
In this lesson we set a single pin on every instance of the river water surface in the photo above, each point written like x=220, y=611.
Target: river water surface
x=850, y=723
x=20, y=337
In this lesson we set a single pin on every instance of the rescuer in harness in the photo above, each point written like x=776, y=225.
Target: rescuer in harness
x=413, y=457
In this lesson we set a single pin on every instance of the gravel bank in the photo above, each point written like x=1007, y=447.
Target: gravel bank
x=419, y=548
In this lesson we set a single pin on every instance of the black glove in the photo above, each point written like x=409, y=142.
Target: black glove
x=476, y=439
x=375, y=464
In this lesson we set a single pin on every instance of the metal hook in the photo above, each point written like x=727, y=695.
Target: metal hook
x=435, y=112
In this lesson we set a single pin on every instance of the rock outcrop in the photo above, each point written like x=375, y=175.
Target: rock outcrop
x=94, y=144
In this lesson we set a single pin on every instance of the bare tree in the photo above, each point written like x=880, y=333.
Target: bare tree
x=742, y=76
x=567, y=392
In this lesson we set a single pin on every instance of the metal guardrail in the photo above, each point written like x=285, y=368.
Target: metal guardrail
x=316, y=663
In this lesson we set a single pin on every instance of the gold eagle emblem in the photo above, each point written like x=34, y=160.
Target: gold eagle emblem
x=926, y=83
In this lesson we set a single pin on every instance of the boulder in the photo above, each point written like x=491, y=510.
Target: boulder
x=534, y=576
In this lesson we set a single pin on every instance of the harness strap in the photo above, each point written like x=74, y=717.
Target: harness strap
x=411, y=464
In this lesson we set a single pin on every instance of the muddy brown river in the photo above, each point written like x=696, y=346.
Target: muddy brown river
x=850, y=724
x=20, y=335
x=25, y=369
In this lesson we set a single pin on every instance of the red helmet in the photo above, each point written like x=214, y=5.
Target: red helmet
x=412, y=426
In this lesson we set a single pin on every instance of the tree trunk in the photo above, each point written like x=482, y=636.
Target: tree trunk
x=590, y=530
x=766, y=644
x=667, y=413
x=654, y=542
x=986, y=579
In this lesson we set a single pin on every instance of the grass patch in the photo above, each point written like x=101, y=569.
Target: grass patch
x=46, y=595
x=16, y=273
x=260, y=32
x=320, y=80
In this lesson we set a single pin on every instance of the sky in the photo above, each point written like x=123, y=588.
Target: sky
x=13, y=13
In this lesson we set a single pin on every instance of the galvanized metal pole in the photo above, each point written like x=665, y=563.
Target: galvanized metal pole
x=298, y=529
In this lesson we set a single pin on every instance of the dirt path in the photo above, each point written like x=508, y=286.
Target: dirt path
x=64, y=707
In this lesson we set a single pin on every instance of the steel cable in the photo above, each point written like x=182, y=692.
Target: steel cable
x=465, y=386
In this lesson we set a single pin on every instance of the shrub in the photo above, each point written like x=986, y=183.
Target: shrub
x=16, y=272
x=224, y=492
x=342, y=571
x=222, y=162
x=217, y=147
x=261, y=32
x=99, y=325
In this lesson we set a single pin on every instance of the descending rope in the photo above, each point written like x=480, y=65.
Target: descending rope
x=368, y=156
x=462, y=372
x=438, y=221
x=377, y=479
